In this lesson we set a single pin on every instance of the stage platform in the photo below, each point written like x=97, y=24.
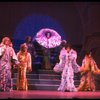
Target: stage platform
x=37, y=94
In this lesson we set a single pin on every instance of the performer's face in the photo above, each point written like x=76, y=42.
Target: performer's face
x=90, y=55
x=48, y=35
x=24, y=49
x=29, y=39
x=7, y=42
x=68, y=49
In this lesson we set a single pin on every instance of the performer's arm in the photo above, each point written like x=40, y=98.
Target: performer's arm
x=29, y=63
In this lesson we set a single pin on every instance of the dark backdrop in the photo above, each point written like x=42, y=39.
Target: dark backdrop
x=76, y=18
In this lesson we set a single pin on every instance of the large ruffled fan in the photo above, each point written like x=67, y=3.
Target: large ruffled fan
x=48, y=38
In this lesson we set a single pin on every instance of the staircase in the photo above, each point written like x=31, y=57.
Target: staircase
x=44, y=80
x=47, y=79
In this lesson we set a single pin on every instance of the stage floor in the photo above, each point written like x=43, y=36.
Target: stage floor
x=36, y=94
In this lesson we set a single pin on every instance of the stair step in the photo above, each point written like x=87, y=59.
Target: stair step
x=47, y=72
x=40, y=76
x=44, y=76
x=41, y=71
x=41, y=87
x=45, y=81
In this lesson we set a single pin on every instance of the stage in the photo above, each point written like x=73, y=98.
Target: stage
x=36, y=94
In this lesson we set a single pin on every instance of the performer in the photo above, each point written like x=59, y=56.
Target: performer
x=31, y=49
x=24, y=58
x=47, y=53
x=88, y=70
x=7, y=58
x=62, y=58
x=46, y=58
x=67, y=77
